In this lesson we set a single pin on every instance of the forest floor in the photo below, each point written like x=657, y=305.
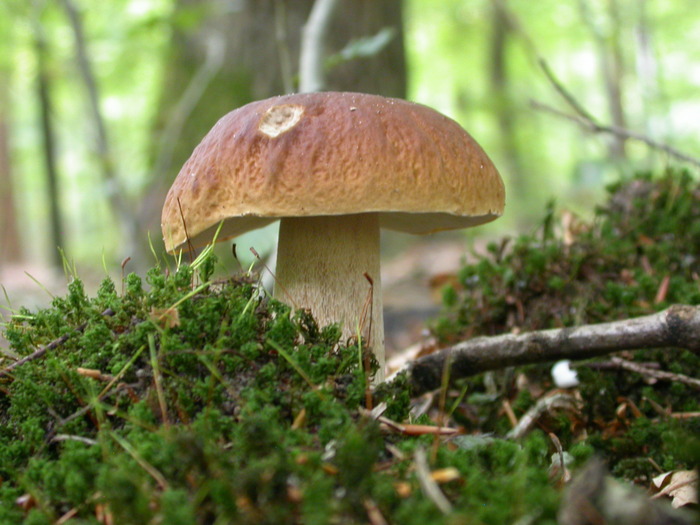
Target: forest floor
x=183, y=399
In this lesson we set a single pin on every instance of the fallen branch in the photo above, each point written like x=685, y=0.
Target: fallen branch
x=678, y=326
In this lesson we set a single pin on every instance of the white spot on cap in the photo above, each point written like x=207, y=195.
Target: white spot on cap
x=279, y=119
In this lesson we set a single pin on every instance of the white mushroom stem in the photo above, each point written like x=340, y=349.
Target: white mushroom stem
x=321, y=265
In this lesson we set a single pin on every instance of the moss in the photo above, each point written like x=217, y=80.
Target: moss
x=217, y=404
x=643, y=238
x=222, y=428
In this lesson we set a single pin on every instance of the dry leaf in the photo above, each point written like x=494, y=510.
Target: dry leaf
x=330, y=469
x=25, y=502
x=680, y=485
x=299, y=420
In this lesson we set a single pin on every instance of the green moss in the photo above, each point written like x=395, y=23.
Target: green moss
x=217, y=404
x=646, y=235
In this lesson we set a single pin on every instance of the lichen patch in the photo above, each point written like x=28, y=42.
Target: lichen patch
x=279, y=119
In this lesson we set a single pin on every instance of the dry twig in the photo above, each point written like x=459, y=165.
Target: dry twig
x=557, y=401
x=428, y=485
x=656, y=374
x=51, y=346
x=581, y=116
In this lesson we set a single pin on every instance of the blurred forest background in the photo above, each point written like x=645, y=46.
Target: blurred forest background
x=102, y=102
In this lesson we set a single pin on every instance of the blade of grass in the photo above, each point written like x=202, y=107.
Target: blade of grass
x=145, y=465
x=7, y=298
x=39, y=284
x=209, y=248
x=217, y=375
x=281, y=351
x=121, y=372
x=157, y=379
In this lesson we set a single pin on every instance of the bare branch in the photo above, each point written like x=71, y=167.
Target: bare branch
x=678, y=326
x=582, y=116
x=590, y=124
x=563, y=92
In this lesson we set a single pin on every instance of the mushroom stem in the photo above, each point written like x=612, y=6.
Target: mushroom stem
x=321, y=265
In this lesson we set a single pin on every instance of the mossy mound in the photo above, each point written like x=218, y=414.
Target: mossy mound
x=639, y=255
x=188, y=401
x=203, y=403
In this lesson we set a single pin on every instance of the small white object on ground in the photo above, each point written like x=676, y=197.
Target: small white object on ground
x=563, y=375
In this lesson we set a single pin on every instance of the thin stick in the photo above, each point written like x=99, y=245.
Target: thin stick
x=184, y=227
x=367, y=307
x=656, y=374
x=274, y=277
x=594, y=127
x=51, y=346
x=427, y=483
x=124, y=263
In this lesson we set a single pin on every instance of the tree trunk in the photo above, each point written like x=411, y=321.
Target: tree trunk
x=49, y=147
x=611, y=69
x=234, y=56
x=11, y=251
x=504, y=107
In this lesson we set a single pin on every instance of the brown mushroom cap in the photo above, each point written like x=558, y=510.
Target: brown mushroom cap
x=316, y=154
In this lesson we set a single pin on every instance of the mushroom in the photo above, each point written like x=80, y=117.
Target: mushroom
x=335, y=168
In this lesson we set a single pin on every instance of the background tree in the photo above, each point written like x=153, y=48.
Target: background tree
x=165, y=70
x=9, y=239
x=9, y=231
